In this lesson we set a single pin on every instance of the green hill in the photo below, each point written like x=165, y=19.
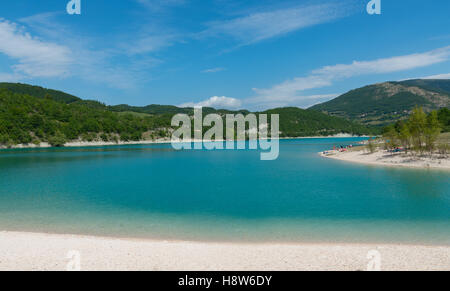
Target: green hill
x=169, y=109
x=296, y=122
x=27, y=119
x=30, y=114
x=385, y=103
x=39, y=92
x=151, y=109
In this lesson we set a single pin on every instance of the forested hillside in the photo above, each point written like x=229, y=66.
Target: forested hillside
x=296, y=122
x=39, y=92
x=26, y=119
x=30, y=114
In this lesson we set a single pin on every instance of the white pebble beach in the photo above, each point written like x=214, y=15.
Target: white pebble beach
x=35, y=251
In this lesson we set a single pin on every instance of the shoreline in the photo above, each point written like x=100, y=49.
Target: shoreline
x=383, y=158
x=39, y=251
x=76, y=144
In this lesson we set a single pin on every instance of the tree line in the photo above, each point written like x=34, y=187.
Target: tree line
x=30, y=114
x=420, y=132
x=25, y=119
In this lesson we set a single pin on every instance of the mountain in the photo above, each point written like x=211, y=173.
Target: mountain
x=30, y=114
x=442, y=86
x=384, y=103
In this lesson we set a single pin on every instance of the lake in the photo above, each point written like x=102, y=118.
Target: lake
x=153, y=191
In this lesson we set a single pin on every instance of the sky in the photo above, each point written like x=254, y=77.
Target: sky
x=253, y=54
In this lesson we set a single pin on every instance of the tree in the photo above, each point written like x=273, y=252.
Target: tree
x=371, y=146
x=5, y=140
x=444, y=119
x=104, y=137
x=432, y=131
x=443, y=149
x=404, y=135
x=390, y=137
x=58, y=140
x=421, y=130
x=417, y=124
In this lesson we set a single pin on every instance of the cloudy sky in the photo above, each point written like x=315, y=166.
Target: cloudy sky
x=253, y=54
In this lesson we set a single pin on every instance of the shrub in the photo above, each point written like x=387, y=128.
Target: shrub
x=58, y=140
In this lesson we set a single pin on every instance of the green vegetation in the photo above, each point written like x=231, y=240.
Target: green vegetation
x=296, y=122
x=371, y=145
x=444, y=119
x=39, y=92
x=439, y=86
x=170, y=110
x=385, y=103
x=30, y=114
x=419, y=133
x=444, y=138
x=25, y=119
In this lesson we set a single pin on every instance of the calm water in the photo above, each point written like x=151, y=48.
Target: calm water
x=153, y=191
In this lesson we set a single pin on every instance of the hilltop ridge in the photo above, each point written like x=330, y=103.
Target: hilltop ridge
x=384, y=103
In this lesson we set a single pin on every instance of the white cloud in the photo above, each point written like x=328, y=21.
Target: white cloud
x=388, y=65
x=158, y=5
x=155, y=34
x=61, y=52
x=441, y=37
x=35, y=58
x=217, y=102
x=92, y=62
x=440, y=77
x=150, y=42
x=302, y=101
x=5, y=77
x=45, y=24
x=290, y=91
x=213, y=70
x=259, y=26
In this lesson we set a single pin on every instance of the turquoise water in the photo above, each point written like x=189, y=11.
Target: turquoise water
x=152, y=191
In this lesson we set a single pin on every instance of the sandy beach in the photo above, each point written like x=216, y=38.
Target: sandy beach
x=33, y=251
x=385, y=158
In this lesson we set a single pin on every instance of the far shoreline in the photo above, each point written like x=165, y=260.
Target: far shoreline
x=77, y=144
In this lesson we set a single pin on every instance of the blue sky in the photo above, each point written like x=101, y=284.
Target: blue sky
x=253, y=54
